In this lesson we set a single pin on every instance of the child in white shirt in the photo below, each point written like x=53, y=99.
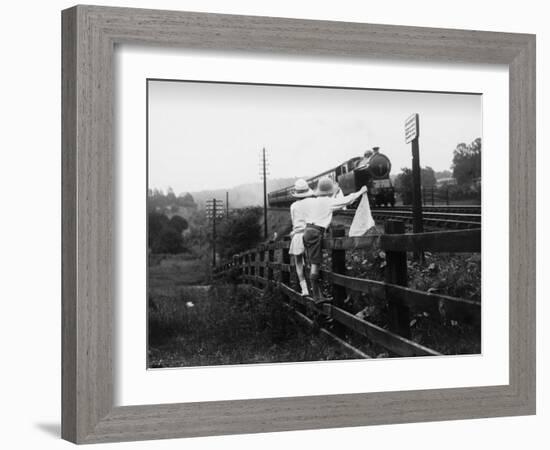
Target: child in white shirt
x=297, y=213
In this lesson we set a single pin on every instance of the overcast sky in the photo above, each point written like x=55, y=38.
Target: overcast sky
x=209, y=135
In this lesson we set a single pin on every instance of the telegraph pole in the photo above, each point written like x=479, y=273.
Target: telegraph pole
x=264, y=176
x=213, y=212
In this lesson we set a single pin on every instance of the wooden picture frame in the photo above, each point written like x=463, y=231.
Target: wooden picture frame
x=89, y=36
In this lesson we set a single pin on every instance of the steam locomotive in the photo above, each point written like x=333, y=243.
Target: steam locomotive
x=372, y=170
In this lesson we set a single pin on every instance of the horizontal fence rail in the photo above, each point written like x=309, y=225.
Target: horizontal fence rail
x=454, y=241
x=448, y=308
x=269, y=267
x=387, y=339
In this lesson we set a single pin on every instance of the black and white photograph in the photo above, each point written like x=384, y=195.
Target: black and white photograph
x=303, y=223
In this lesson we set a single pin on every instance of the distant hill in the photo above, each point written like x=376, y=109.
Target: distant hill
x=242, y=195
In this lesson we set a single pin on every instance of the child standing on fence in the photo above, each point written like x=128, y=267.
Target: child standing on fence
x=297, y=213
x=318, y=212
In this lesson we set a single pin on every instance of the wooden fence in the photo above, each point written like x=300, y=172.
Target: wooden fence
x=269, y=266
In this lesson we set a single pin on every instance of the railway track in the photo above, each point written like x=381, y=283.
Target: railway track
x=450, y=217
x=455, y=209
x=436, y=219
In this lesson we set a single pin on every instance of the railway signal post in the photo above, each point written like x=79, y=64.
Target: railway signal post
x=412, y=133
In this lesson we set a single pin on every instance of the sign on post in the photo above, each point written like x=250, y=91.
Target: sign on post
x=411, y=128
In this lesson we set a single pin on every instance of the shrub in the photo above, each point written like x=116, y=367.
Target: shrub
x=179, y=223
x=240, y=232
x=156, y=222
x=168, y=241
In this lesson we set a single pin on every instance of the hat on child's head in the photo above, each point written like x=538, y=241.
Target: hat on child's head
x=301, y=189
x=325, y=187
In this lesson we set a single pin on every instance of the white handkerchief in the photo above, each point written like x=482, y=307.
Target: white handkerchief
x=362, y=221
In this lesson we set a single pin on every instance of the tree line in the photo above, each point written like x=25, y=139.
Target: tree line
x=467, y=162
x=466, y=170
x=159, y=201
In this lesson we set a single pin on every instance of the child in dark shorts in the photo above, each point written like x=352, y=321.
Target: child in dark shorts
x=318, y=211
x=313, y=242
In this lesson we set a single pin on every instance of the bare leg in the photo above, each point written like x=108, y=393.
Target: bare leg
x=315, y=287
x=299, y=262
x=314, y=269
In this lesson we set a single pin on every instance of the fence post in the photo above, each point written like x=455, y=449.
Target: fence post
x=270, y=254
x=259, y=267
x=254, y=266
x=447, y=195
x=338, y=257
x=261, y=258
x=278, y=258
x=396, y=273
x=285, y=276
x=433, y=197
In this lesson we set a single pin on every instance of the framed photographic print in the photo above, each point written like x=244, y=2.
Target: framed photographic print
x=277, y=224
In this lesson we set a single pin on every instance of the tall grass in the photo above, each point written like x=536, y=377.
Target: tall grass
x=230, y=325
x=454, y=274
